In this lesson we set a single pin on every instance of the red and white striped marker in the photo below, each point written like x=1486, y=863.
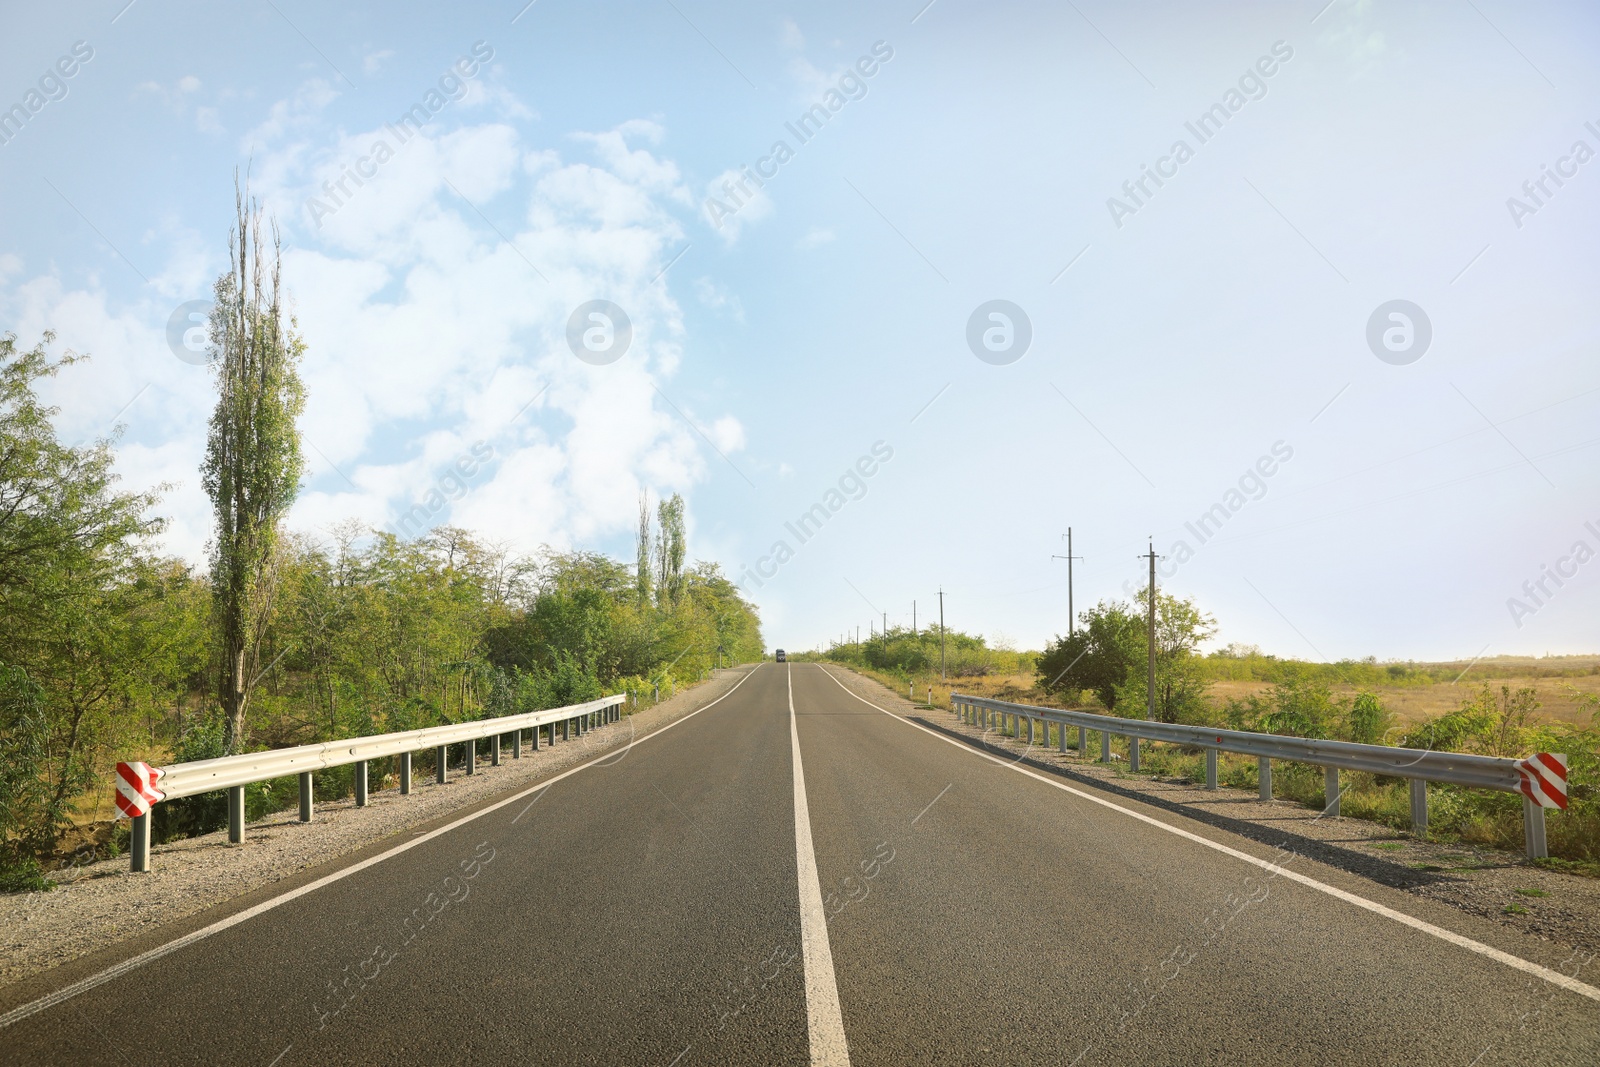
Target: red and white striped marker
x=136, y=788
x=1544, y=779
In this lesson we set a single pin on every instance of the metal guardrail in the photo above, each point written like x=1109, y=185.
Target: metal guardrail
x=1419, y=766
x=233, y=773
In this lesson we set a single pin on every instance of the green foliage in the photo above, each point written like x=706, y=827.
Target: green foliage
x=253, y=463
x=206, y=738
x=108, y=652
x=1483, y=724
x=642, y=584
x=97, y=637
x=27, y=817
x=904, y=653
x=1098, y=657
x=670, y=551
x=1368, y=721
x=1109, y=656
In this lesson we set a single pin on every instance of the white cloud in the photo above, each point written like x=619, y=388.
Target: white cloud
x=372, y=62
x=180, y=97
x=730, y=208
x=815, y=237
x=727, y=434
x=428, y=330
x=718, y=298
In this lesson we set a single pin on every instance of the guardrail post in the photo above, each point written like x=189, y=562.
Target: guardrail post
x=361, y=784
x=1330, y=790
x=1061, y=737
x=1419, y=806
x=566, y=729
x=1083, y=739
x=1264, y=773
x=139, y=844
x=405, y=774
x=536, y=736
x=441, y=764
x=1533, y=830
x=494, y=751
x=1105, y=747
x=472, y=755
x=305, y=796
x=236, y=815
x=1133, y=753
x=1030, y=729
x=516, y=743
x=1211, y=768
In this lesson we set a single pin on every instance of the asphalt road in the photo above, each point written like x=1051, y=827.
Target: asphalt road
x=653, y=908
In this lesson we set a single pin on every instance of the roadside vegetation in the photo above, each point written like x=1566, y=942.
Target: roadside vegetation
x=1102, y=667
x=110, y=650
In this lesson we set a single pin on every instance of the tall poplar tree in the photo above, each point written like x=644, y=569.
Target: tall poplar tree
x=253, y=463
x=641, y=574
x=671, y=551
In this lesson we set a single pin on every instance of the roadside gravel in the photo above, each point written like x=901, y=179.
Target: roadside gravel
x=101, y=904
x=1489, y=883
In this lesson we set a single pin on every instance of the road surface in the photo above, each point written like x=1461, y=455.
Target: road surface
x=905, y=900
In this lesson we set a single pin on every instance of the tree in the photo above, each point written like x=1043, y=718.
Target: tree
x=671, y=549
x=92, y=629
x=253, y=463
x=1096, y=657
x=641, y=552
x=1181, y=627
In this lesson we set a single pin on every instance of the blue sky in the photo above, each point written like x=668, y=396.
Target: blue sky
x=1180, y=331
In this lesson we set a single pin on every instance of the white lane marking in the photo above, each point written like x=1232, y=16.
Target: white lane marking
x=824, y=1020
x=1553, y=977
x=66, y=993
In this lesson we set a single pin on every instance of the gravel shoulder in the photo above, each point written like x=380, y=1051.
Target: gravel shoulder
x=1491, y=884
x=102, y=904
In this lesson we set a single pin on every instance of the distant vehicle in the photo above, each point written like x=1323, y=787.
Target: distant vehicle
x=781, y=658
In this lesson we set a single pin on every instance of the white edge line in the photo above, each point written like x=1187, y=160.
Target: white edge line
x=824, y=1019
x=1516, y=962
x=66, y=993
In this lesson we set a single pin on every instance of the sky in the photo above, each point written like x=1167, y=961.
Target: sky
x=892, y=294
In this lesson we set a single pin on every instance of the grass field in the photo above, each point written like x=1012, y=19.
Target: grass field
x=1412, y=694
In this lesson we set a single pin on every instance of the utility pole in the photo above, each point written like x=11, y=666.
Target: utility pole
x=941, y=633
x=913, y=618
x=1150, y=683
x=886, y=630
x=1072, y=616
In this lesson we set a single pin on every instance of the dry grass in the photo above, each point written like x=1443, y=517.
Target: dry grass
x=1558, y=682
x=1411, y=704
